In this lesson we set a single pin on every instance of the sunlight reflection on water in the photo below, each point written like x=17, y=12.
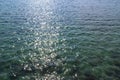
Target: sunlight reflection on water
x=45, y=39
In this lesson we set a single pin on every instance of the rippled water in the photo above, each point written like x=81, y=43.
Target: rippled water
x=59, y=39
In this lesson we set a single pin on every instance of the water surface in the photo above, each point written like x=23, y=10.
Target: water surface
x=59, y=40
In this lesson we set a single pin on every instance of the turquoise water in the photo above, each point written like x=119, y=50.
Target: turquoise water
x=59, y=40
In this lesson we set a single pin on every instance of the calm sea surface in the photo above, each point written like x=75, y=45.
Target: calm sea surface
x=59, y=39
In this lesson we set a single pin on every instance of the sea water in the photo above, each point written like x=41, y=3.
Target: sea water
x=59, y=39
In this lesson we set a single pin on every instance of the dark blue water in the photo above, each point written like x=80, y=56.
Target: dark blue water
x=59, y=40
